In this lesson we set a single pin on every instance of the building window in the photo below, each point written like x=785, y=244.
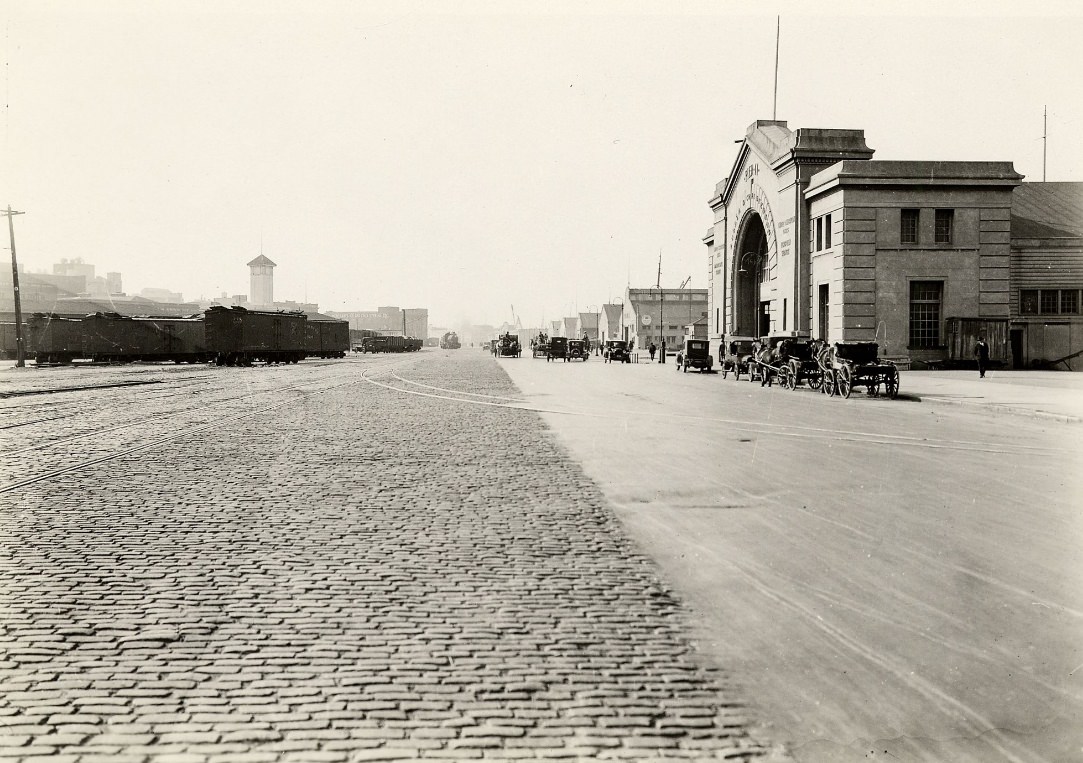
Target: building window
x=827, y=231
x=908, y=226
x=945, y=219
x=1048, y=301
x=925, y=301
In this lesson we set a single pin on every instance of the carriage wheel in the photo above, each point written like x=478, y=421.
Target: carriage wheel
x=794, y=375
x=829, y=385
x=891, y=384
x=815, y=381
x=846, y=382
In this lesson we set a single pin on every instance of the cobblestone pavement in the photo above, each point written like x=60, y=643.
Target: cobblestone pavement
x=336, y=572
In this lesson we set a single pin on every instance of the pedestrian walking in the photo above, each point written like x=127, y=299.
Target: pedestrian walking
x=663, y=360
x=652, y=349
x=981, y=352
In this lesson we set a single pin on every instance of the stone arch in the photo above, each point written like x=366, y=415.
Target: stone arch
x=750, y=268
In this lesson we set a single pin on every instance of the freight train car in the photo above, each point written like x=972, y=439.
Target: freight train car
x=9, y=350
x=390, y=344
x=238, y=336
x=52, y=339
x=326, y=337
x=114, y=338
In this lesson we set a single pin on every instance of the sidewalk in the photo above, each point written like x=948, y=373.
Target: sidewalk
x=1055, y=395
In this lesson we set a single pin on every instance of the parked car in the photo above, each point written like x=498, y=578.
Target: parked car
x=616, y=350
x=696, y=353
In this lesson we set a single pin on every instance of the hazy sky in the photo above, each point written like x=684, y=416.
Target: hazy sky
x=467, y=157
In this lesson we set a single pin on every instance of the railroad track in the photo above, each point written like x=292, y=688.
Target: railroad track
x=303, y=388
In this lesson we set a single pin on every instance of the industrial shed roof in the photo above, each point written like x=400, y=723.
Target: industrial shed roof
x=1047, y=210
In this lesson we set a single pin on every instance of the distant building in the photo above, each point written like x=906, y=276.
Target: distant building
x=611, y=325
x=588, y=327
x=161, y=295
x=388, y=320
x=654, y=315
x=261, y=281
x=1047, y=275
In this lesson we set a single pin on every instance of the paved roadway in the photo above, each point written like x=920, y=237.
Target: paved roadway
x=299, y=564
x=888, y=580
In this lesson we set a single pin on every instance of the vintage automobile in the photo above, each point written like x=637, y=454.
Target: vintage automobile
x=696, y=353
x=616, y=350
x=738, y=357
x=577, y=350
x=558, y=348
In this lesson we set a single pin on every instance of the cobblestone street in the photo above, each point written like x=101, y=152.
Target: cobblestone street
x=278, y=564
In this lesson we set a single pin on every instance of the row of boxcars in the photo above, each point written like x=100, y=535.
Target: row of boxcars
x=226, y=336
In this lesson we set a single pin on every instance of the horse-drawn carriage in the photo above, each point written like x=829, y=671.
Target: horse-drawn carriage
x=765, y=365
x=796, y=362
x=738, y=356
x=539, y=346
x=857, y=364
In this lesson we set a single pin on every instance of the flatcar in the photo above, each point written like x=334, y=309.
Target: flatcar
x=115, y=338
x=238, y=336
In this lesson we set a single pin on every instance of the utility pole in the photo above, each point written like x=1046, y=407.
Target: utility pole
x=778, y=33
x=661, y=310
x=20, y=345
x=1045, y=138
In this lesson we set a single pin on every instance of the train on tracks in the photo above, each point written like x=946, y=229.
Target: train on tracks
x=225, y=336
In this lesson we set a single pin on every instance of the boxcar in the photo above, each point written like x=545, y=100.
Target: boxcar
x=238, y=336
x=52, y=339
x=110, y=337
x=8, y=347
x=326, y=338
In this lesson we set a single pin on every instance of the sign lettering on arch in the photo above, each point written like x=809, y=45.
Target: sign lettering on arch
x=752, y=197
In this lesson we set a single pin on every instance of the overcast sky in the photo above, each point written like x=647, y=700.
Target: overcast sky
x=468, y=157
